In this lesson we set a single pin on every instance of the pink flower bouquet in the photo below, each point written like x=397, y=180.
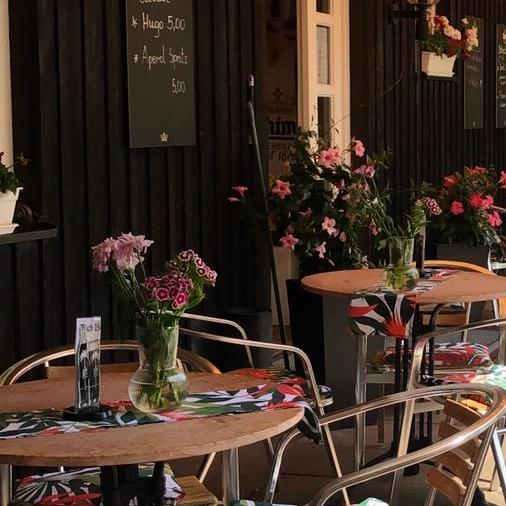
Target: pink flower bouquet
x=155, y=305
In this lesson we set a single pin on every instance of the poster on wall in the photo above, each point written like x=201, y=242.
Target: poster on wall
x=161, y=92
x=501, y=77
x=473, y=81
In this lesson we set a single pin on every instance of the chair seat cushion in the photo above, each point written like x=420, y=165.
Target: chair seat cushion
x=79, y=487
x=445, y=355
x=281, y=375
x=495, y=375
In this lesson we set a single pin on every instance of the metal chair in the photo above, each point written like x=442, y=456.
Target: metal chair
x=17, y=371
x=318, y=402
x=414, y=381
x=481, y=426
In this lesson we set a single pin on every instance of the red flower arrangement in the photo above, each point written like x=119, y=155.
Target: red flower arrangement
x=467, y=203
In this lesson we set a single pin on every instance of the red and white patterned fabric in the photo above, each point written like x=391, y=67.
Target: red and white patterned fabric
x=462, y=354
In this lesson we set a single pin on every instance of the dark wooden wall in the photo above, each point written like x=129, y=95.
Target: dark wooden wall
x=420, y=120
x=71, y=120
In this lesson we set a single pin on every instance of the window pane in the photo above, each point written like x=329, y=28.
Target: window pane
x=322, y=46
x=323, y=6
x=324, y=117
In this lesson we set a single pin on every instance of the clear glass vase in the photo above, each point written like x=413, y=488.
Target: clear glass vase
x=400, y=273
x=159, y=384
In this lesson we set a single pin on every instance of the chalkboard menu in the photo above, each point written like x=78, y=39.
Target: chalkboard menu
x=473, y=81
x=161, y=93
x=501, y=77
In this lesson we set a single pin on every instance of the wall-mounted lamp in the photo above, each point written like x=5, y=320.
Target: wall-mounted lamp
x=420, y=14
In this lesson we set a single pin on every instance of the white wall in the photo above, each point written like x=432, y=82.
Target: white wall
x=5, y=84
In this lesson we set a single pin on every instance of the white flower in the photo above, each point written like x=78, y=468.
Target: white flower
x=444, y=21
x=465, y=21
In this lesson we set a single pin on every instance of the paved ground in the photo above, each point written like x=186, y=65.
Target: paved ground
x=306, y=470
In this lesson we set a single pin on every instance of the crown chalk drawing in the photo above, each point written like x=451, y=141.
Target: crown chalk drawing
x=164, y=137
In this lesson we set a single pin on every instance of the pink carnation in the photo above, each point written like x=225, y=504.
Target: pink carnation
x=241, y=190
x=476, y=201
x=494, y=219
x=449, y=181
x=102, y=253
x=130, y=250
x=457, y=208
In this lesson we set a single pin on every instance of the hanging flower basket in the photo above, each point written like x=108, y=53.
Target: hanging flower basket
x=438, y=66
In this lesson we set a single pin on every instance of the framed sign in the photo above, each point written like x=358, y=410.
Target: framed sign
x=501, y=77
x=473, y=81
x=161, y=90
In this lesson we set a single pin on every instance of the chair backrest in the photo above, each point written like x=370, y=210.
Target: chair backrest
x=44, y=359
x=455, y=469
x=476, y=433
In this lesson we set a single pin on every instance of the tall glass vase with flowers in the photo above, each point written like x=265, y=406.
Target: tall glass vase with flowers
x=154, y=305
x=400, y=273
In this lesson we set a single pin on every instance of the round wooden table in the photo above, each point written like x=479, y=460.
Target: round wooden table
x=157, y=442
x=462, y=287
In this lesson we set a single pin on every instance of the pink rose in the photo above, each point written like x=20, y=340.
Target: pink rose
x=359, y=148
x=457, y=208
x=289, y=241
x=449, y=181
x=281, y=189
x=476, y=201
x=494, y=219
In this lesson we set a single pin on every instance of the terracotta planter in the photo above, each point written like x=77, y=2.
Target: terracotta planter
x=7, y=205
x=438, y=66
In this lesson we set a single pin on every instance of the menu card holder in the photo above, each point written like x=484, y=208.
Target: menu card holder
x=87, y=360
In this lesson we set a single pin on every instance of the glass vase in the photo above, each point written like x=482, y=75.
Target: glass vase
x=400, y=273
x=159, y=384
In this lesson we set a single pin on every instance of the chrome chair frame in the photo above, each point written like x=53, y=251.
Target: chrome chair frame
x=318, y=402
x=414, y=384
x=485, y=425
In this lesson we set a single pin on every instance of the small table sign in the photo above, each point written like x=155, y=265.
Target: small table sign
x=87, y=361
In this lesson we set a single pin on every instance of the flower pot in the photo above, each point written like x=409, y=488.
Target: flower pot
x=306, y=325
x=479, y=255
x=7, y=205
x=159, y=384
x=438, y=66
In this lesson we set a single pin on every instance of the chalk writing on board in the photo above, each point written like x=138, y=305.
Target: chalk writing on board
x=161, y=93
x=501, y=77
x=474, y=80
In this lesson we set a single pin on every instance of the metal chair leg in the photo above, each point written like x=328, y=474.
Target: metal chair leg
x=499, y=462
x=5, y=484
x=230, y=476
x=360, y=397
x=334, y=461
x=205, y=466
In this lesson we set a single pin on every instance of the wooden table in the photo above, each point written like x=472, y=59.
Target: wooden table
x=336, y=287
x=145, y=443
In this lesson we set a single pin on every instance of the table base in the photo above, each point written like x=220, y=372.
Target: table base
x=121, y=484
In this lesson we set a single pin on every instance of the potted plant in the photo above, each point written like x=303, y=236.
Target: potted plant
x=9, y=193
x=154, y=304
x=311, y=214
x=444, y=44
x=468, y=225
